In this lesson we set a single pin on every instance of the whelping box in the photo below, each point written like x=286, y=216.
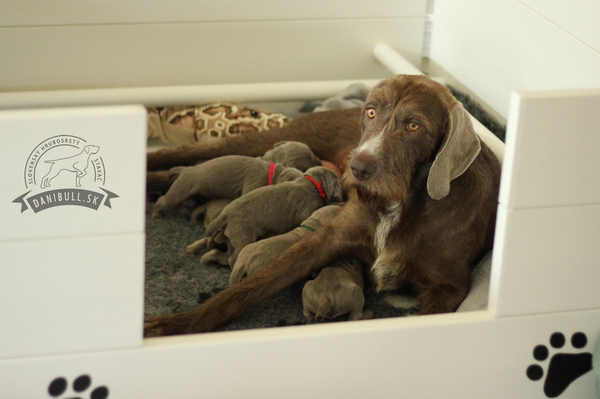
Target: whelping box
x=72, y=237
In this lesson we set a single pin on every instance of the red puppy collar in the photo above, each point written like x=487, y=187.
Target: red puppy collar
x=271, y=172
x=319, y=187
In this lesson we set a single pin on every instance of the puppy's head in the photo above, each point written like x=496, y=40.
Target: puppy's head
x=294, y=154
x=409, y=122
x=329, y=183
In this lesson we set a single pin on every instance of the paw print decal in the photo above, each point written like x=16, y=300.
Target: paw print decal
x=81, y=387
x=563, y=368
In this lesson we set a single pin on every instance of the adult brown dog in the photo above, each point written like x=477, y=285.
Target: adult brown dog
x=422, y=196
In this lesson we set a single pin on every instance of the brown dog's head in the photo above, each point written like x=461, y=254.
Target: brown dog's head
x=408, y=122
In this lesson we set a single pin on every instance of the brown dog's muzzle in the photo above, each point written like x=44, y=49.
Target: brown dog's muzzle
x=363, y=166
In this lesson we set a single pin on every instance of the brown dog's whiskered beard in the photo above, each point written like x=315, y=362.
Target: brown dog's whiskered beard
x=377, y=191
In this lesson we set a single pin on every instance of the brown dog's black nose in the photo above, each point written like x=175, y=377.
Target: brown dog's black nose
x=363, y=166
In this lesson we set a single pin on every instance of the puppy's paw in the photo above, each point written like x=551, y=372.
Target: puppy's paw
x=157, y=210
x=367, y=314
x=238, y=273
x=215, y=256
x=197, y=246
x=156, y=214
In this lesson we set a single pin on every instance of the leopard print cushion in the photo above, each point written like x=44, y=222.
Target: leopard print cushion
x=202, y=123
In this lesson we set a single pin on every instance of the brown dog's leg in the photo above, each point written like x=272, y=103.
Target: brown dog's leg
x=331, y=135
x=442, y=299
x=314, y=251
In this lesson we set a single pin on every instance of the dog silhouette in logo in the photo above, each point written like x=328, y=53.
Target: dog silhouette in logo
x=76, y=164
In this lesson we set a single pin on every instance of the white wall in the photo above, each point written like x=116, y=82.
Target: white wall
x=73, y=44
x=496, y=46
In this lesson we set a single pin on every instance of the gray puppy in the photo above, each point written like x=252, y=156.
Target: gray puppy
x=227, y=177
x=337, y=290
x=293, y=153
x=272, y=210
x=255, y=256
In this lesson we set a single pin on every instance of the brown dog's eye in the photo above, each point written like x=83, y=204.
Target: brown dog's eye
x=413, y=127
x=371, y=113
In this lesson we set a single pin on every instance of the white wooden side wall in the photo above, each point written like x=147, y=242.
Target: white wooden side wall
x=493, y=47
x=496, y=46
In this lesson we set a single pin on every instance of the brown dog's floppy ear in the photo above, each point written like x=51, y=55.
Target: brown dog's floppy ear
x=460, y=147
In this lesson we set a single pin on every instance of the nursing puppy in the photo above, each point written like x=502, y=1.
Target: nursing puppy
x=272, y=210
x=226, y=177
x=259, y=254
x=422, y=197
x=336, y=291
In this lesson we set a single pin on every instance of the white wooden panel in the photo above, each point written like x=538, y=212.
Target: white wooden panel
x=75, y=12
x=468, y=355
x=46, y=58
x=274, y=92
x=545, y=260
x=526, y=47
x=578, y=18
x=482, y=76
x=56, y=144
x=71, y=295
x=552, y=143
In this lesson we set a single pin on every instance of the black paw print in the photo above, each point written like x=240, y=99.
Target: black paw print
x=59, y=386
x=563, y=368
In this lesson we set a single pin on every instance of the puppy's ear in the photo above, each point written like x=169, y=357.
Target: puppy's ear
x=460, y=147
x=280, y=143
